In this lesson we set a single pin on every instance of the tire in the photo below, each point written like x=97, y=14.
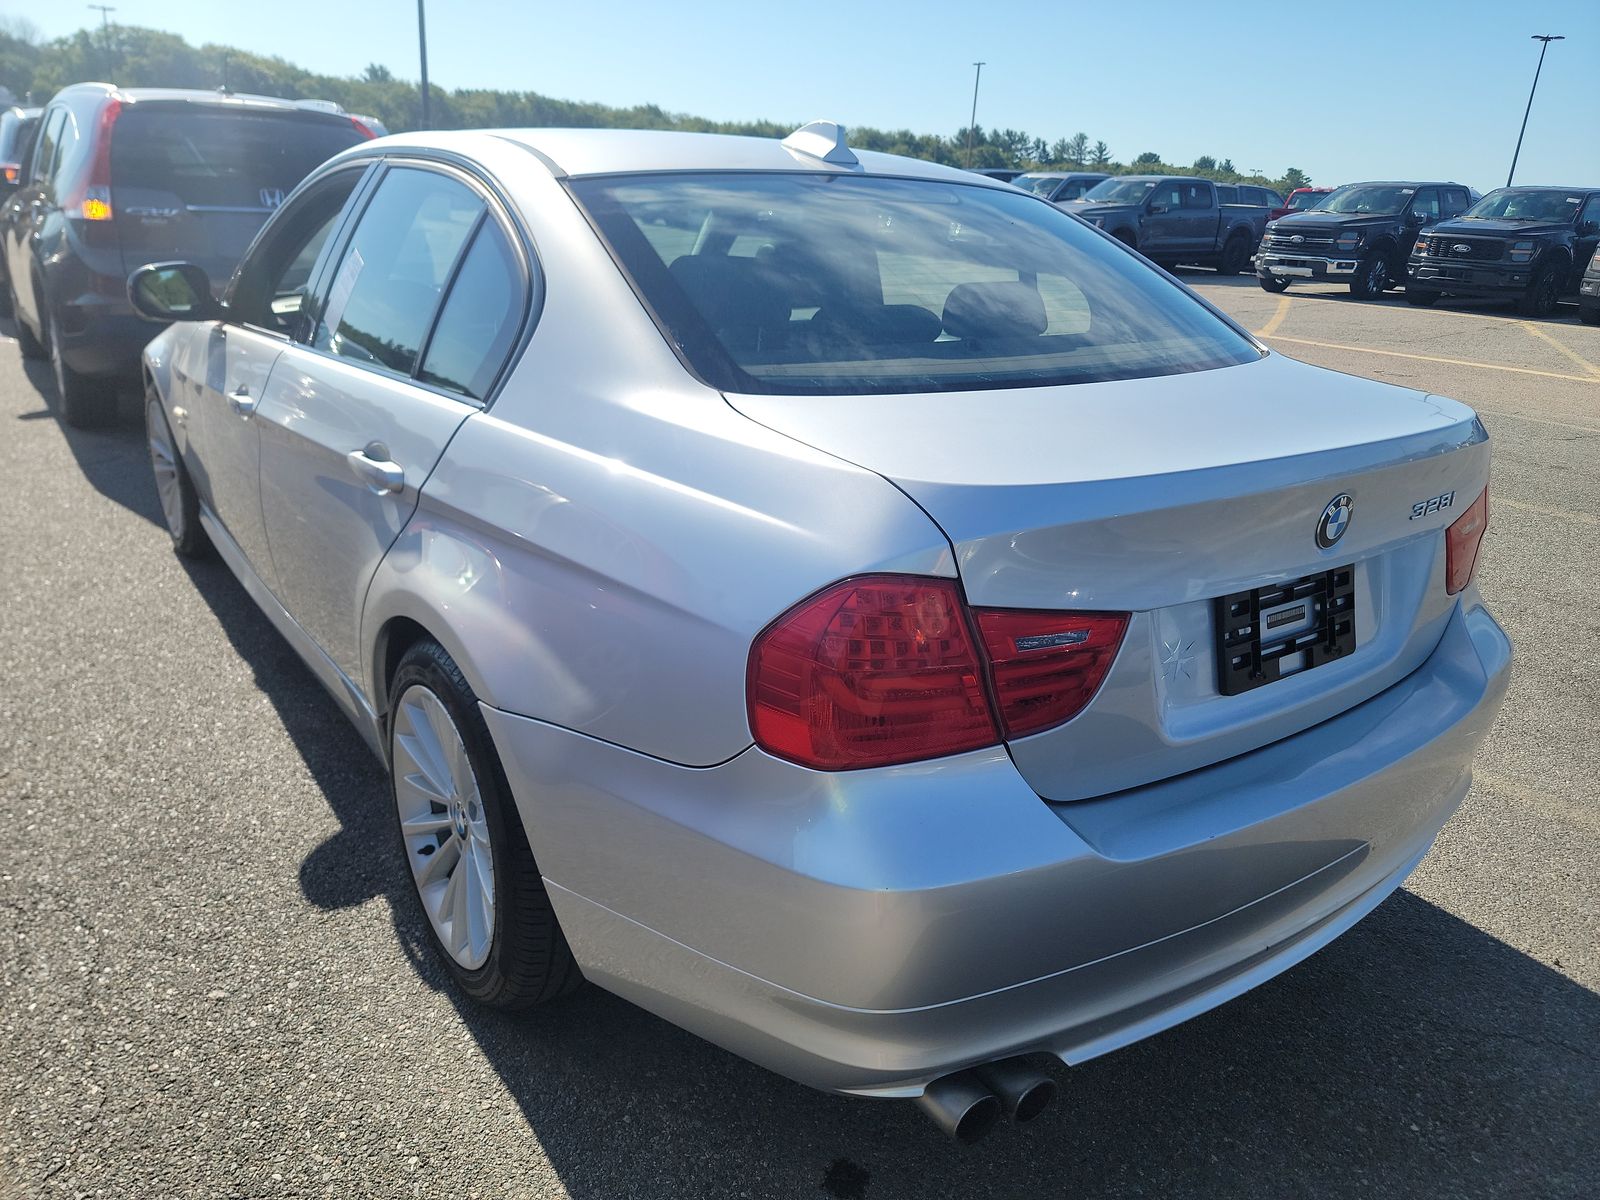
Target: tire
x=1270, y=283
x=86, y=402
x=1421, y=299
x=1235, y=255
x=1543, y=294
x=1127, y=239
x=1371, y=277
x=179, y=504
x=1589, y=314
x=525, y=959
x=30, y=346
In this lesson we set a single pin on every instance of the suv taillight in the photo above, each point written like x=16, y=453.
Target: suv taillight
x=886, y=669
x=1461, y=543
x=92, y=200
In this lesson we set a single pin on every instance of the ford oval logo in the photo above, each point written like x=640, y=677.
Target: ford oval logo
x=1461, y=248
x=1335, y=520
x=1297, y=239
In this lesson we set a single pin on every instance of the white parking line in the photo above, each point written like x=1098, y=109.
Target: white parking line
x=1453, y=362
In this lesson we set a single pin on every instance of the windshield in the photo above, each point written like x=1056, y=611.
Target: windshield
x=1379, y=199
x=1120, y=191
x=836, y=284
x=1305, y=200
x=1039, y=185
x=1526, y=204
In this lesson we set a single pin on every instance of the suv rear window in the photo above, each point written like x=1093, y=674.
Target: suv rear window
x=218, y=158
x=834, y=284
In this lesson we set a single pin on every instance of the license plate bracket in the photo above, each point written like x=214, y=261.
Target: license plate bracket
x=1280, y=629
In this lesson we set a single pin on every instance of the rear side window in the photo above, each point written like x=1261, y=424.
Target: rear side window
x=480, y=318
x=165, y=157
x=388, y=284
x=1196, y=195
x=45, y=152
x=863, y=284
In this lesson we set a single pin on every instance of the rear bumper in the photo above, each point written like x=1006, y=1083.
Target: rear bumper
x=1469, y=279
x=869, y=932
x=1273, y=264
x=98, y=340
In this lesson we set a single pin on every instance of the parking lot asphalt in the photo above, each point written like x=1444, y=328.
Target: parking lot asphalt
x=212, y=974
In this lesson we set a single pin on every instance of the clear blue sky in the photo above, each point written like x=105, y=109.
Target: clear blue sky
x=1433, y=90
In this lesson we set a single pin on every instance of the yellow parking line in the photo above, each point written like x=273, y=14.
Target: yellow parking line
x=1271, y=327
x=1582, y=518
x=1572, y=354
x=1453, y=362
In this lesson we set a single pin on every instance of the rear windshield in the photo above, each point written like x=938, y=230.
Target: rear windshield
x=221, y=159
x=1041, y=185
x=1301, y=200
x=834, y=284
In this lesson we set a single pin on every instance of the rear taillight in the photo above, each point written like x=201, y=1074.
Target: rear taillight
x=362, y=128
x=886, y=669
x=92, y=202
x=1461, y=543
x=1047, y=665
x=12, y=171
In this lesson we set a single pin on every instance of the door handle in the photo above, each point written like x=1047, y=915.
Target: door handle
x=374, y=468
x=241, y=401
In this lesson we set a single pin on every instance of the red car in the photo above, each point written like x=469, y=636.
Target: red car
x=1299, y=200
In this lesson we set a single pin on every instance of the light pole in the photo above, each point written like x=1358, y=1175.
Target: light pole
x=977, y=75
x=1546, y=39
x=422, y=41
x=105, y=28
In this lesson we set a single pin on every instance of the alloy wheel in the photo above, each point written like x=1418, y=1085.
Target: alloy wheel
x=1377, y=276
x=443, y=826
x=164, y=463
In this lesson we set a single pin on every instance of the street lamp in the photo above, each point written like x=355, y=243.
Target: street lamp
x=1546, y=39
x=977, y=75
x=422, y=42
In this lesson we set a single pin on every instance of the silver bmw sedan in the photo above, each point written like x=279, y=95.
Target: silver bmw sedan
x=843, y=604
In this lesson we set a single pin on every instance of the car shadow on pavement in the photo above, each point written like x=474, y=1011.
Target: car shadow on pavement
x=1417, y=1056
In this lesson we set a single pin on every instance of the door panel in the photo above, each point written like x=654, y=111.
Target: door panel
x=238, y=363
x=329, y=517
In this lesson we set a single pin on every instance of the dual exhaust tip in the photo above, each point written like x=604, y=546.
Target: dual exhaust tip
x=967, y=1105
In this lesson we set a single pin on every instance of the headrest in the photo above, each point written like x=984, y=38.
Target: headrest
x=994, y=310
x=877, y=324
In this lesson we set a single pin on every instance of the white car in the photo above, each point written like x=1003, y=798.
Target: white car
x=842, y=604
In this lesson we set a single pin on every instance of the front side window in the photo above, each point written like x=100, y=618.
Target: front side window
x=1301, y=201
x=383, y=295
x=272, y=284
x=875, y=285
x=1426, y=204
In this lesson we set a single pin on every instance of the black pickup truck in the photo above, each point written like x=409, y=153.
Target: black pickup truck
x=1360, y=233
x=1589, y=293
x=1174, y=219
x=1529, y=244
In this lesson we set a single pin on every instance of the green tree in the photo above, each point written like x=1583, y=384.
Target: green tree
x=1148, y=159
x=1061, y=151
x=1100, y=156
x=377, y=73
x=1293, y=178
x=1226, y=167
x=1078, y=149
x=1205, y=163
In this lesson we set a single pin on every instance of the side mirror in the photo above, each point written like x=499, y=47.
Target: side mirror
x=176, y=291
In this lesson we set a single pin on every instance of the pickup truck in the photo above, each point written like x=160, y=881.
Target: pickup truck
x=1589, y=293
x=1174, y=219
x=1058, y=186
x=1360, y=235
x=1528, y=244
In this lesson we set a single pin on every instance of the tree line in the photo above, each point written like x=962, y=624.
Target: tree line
x=137, y=57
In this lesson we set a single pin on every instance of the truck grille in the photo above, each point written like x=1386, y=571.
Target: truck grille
x=1444, y=246
x=1284, y=243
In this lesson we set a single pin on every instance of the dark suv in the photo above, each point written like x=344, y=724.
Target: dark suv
x=1529, y=244
x=122, y=177
x=1359, y=234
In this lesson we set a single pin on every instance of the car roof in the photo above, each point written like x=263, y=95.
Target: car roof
x=579, y=152
x=222, y=99
x=26, y=114
x=1547, y=187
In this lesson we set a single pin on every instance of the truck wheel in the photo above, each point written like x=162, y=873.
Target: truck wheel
x=1127, y=239
x=1371, y=277
x=1589, y=314
x=1421, y=299
x=1235, y=255
x=1543, y=293
x=1271, y=283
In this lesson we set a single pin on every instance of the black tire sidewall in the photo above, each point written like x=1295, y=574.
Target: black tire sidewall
x=191, y=541
x=1272, y=285
x=428, y=664
x=1361, y=286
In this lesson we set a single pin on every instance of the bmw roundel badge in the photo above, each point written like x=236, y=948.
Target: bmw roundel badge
x=1335, y=520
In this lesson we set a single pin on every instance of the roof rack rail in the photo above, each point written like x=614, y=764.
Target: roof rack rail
x=824, y=140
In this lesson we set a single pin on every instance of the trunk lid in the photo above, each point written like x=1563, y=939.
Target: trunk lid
x=1159, y=496
x=195, y=182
